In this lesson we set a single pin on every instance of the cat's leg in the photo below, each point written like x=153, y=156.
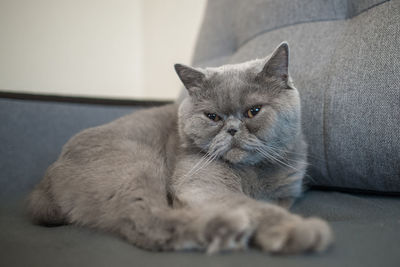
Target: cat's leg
x=143, y=216
x=125, y=194
x=41, y=206
x=268, y=226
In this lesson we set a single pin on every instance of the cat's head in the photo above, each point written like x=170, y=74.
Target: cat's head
x=242, y=113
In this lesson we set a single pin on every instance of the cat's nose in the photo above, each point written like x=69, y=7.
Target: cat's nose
x=232, y=131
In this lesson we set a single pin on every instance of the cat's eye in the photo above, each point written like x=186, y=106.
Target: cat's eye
x=213, y=116
x=250, y=113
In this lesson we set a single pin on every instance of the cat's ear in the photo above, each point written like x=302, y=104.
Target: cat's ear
x=190, y=77
x=277, y=65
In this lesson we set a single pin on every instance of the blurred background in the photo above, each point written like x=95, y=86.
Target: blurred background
x=97, y=48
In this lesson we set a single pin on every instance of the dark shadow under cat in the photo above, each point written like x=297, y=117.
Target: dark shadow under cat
x=210, y=173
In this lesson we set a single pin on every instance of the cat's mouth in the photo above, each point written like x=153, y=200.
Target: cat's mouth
x=235, y=155
x=230, y=149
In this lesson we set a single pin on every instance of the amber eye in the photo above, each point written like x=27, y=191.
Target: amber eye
x=252, y=111
x=213, y=116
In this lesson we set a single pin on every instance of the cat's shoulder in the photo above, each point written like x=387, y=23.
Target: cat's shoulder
x=140, y=124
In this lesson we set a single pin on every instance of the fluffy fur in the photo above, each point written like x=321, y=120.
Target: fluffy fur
x=205, y=174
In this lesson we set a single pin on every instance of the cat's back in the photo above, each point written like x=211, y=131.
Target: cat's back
x=98, y=162
x=151, y=127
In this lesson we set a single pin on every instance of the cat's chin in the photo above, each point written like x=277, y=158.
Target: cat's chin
x=235, y=155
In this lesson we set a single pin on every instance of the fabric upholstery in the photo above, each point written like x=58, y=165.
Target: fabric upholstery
x=344, y=60
x=32, y=134
x=366, y=232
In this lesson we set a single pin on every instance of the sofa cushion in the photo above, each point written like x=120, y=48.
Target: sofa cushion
x=365, y=227
x=345, y=62
x=32, y=134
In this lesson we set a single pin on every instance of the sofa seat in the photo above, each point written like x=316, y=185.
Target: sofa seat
x=365, y=227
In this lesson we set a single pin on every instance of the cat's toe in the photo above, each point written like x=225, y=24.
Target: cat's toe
x=294, y=236
x=323, y=234
x=228, y=231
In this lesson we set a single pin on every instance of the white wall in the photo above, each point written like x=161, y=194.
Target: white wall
x=170, y=31
x=100, y=48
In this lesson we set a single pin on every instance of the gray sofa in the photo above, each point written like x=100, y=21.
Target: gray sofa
x=345, y=61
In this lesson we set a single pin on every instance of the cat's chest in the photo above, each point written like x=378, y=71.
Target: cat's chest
x=257, y=182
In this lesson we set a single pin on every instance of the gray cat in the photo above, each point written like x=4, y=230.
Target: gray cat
x=210, y=173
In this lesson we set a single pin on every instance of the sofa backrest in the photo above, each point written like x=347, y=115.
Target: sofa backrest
x=33, y=132
x=345, y=61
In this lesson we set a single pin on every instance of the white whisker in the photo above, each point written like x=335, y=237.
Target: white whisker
x=271, y=153
x=201, y=164
x=193, y=169
x=276, y=154
x=291, y=152
x=203, y=158
x=276, y=160
x=206, y=163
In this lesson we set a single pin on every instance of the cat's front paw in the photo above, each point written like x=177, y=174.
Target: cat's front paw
x=228, y=231
x=294, y=235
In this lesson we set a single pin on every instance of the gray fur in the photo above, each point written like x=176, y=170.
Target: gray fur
x=170, y=178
